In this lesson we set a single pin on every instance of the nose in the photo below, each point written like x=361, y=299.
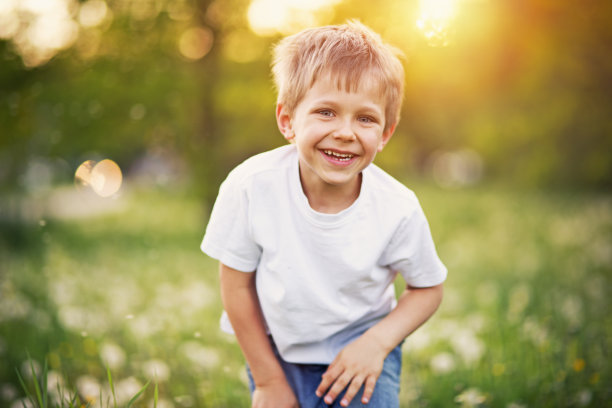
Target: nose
x=344, y=132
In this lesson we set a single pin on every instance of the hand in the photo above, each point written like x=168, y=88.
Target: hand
x=359, y=363
x=275, y=394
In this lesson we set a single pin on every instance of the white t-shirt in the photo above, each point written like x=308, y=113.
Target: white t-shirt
x=322, y=279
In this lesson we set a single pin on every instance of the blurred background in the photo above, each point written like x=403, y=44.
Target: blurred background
x=120, y=118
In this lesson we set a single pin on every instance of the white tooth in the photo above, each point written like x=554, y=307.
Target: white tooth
x=342, y=156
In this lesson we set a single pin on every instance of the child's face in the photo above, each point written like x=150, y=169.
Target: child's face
x=337, y=133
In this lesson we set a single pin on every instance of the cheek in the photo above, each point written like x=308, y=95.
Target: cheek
x=373, y=140
x=314, y=132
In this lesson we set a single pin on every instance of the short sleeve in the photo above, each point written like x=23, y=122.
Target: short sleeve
x=228, y=235
x=412, y=253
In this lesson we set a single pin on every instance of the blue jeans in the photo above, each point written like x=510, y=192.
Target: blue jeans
x=305, y=378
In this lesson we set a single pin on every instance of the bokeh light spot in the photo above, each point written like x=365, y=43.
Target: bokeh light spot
x=180, y=10
x=195, y=42
x=104, y=178
x=9, y=24
x=47, y=29
x=93, y=13
x=138, y=111
x=82, y=176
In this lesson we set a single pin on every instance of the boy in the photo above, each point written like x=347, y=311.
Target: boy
x=310, y=236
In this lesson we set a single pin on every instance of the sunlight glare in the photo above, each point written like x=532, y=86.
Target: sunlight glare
x=9, y=22
x=269, y=17
x=38, y=28
x=53, y=32
x=435, y=19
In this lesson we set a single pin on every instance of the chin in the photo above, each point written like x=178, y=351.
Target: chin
x=340, y=181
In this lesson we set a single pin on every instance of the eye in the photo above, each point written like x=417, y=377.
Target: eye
x=325, y=112
x=367, y=119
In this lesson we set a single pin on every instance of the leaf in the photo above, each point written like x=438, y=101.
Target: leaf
x=110, y=382
x=36, y=385
x=135, y=397
x=155, y=395
x=45, y=395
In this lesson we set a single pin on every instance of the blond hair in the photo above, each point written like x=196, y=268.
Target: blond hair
x=350, y=54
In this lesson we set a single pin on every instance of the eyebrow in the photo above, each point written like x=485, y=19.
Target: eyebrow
x=367, y=107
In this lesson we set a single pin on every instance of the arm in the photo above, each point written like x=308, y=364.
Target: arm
x=241, y=303
x=361, y=362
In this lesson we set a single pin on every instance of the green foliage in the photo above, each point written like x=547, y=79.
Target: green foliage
x=524, y=319
x=533, y=103
x=39, y=398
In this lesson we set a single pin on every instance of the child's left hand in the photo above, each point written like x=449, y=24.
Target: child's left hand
x=359, y=363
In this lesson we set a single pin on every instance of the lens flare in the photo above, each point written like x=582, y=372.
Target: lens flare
x=104, y=178
x=82, y=176
x=435, y=20
x=195, y=42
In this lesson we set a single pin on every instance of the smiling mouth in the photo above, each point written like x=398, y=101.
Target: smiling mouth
x=339, y=156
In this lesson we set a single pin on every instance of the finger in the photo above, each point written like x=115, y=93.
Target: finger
x=337, y=387
x=352, y=390
x=327, y=380
x=368, y=389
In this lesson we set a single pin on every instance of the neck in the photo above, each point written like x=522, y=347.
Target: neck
x=331, y=199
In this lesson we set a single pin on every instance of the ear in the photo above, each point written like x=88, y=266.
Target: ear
x=386, y=136
x=283, y=120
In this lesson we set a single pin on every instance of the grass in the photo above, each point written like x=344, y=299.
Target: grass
x=524, y=323
x=40, y=395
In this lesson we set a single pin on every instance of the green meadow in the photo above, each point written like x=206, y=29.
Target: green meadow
x=90, y=284
x=505, y=128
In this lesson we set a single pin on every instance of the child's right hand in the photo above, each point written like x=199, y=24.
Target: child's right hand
x=274, y=394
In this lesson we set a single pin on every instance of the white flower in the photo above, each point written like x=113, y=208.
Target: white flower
x=197, y=296
x=584, y=397
x=184, y=400
x=112, y=355
x=126, y=389
x=27, y=367
x=8, y=392
x=161, y=403
x=156, y=370
x=470, y=398
x=467, y=345
x=571, y=308
x=418, y=340
x=23, y=403
x=54, y=381
x=442, y=363
x=199, y=355
x=534, y=331
x=88, y=387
